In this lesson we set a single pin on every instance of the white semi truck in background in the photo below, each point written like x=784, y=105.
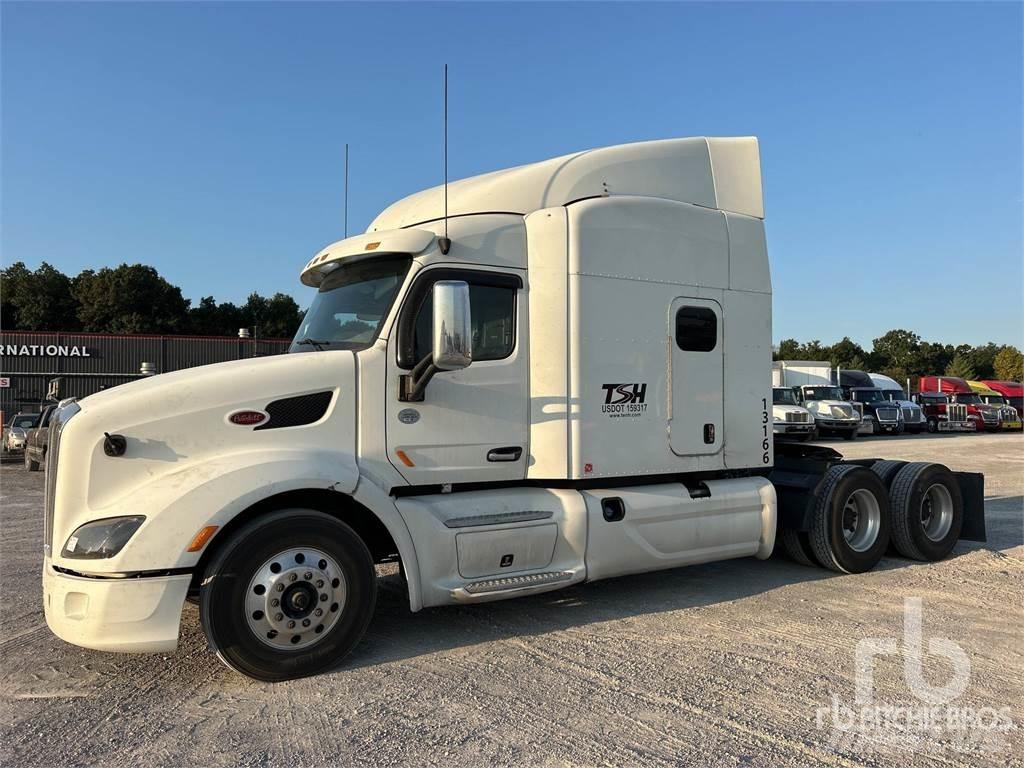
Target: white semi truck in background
x=817, y=392
x=538, y=377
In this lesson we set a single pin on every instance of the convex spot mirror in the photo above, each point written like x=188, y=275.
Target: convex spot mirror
x=452, y=330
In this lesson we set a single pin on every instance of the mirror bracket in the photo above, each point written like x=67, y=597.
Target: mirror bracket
x=412, y=386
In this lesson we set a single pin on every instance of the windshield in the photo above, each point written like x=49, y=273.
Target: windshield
x=823, y=393
x=352, y=303
x=25, y=422
x=895, y=394
x=971, y=399
x=995, y=400
x=783, y=396
x=868, y=395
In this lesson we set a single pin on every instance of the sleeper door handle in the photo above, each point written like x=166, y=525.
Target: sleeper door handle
x=510, y=453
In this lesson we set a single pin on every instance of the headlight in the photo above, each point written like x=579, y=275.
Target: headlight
x=17, y=432
x=101, y=538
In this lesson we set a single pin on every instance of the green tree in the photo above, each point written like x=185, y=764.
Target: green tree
x=960, y=367
x=37, y=301
x=1008, y=364
x=847, y=354
x=982, y=359
x=213, y=319
x=898, y=349
x=129, y=299
x=275, y=318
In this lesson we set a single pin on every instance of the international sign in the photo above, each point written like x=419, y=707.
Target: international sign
x=5, y=382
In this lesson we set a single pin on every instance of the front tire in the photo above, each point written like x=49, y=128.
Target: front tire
x=288, y=596
x=31, y=464
x=850, y=435
x=850, y=527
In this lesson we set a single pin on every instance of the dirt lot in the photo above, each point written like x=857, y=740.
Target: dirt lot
x=723, y=664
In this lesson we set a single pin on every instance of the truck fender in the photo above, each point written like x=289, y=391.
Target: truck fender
x=212, y=492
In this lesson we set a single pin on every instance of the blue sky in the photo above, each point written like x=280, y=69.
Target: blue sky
x=207, y=139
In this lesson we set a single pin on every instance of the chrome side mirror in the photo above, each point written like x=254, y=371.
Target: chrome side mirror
x=452, y=332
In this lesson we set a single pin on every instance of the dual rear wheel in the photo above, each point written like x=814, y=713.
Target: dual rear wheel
x=859, y=511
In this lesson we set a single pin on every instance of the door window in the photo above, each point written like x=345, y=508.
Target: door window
x=492, y=302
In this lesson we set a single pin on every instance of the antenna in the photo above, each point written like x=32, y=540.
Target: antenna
x=346, y=190
x=444, y=243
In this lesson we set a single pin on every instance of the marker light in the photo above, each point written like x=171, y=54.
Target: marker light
x=203, y=536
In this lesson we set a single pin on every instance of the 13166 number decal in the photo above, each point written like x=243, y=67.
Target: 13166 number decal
x=765, y=443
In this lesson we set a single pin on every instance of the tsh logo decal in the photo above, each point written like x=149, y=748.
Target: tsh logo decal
x=624, y=400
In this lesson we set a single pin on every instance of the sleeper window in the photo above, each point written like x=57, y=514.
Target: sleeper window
x=696, y=329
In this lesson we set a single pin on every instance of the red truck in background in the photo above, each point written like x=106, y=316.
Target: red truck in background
x=982, y=415
x=1012, y=392
x=941, y=415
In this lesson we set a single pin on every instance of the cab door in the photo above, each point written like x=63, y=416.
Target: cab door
x=472, y=423
x=697, y=371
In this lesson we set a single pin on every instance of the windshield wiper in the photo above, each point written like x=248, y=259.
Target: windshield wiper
x=317, y=345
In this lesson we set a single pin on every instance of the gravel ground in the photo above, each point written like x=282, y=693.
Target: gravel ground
x=722, y=664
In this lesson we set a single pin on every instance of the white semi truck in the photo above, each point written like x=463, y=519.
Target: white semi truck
x=563, y=379
x=818, y=393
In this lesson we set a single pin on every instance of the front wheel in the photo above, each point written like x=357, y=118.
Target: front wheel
x=850, y=435
x=933, y=426
x=288, y=596
x=30, y=464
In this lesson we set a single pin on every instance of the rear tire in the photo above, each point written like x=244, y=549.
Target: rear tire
x=850, y=527
x=927, y=511
x=261, y=592
x=797, y=547
x=887, y=471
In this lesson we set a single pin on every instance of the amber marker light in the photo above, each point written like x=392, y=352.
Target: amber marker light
x=200, y=539
x=404, y=459
x=372, y=246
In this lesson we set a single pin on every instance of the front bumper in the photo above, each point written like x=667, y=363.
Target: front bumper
x=839, y=424
x=793, y=427
x=133, y=615
x=1011, y=424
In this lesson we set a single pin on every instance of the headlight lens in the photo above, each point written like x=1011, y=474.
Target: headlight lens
x=101, y=538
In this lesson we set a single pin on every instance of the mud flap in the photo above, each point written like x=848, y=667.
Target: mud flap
x=972, y=488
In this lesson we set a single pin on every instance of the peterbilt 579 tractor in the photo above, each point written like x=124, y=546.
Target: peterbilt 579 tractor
x=524, y=381
x=1009, y=416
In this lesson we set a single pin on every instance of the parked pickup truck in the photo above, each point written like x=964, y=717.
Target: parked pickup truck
x=489, y=401
x=36, y=440
x=789, y=418
x=983, y=416
x=1009, y=417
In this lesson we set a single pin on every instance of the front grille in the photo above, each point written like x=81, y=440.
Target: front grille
x=987, y=415
x=57, y=422
x=912, y=415
x=800, y=418
x=1007, y=414
x=887, y=414
x=955, y=412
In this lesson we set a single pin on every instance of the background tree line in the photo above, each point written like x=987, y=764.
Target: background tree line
x=131, y=298
x=901, y=354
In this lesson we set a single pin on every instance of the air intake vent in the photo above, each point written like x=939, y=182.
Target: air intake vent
x=296, y=411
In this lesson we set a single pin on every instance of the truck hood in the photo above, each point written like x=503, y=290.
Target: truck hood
x=178, y=423
x=780, y=411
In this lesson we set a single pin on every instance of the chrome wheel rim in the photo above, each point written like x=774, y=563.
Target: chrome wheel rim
x=936, y=512
x=295, y=598
x=862, y=519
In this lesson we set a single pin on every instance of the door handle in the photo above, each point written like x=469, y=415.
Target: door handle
x=509, y=453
